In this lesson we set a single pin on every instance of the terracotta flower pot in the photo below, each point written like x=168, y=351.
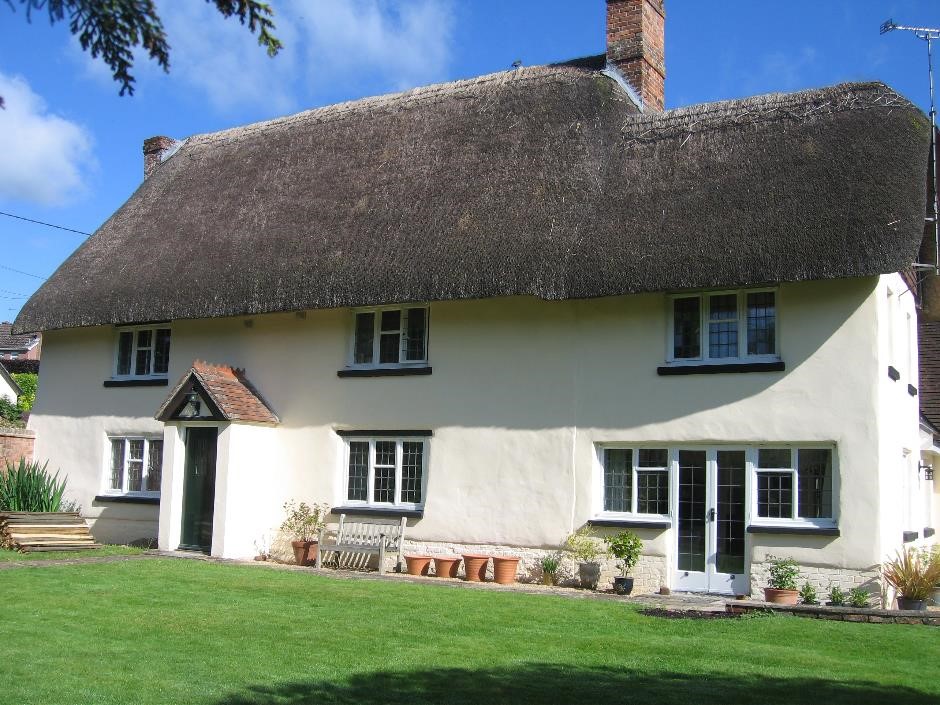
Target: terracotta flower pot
x=418, y=565
x=305, y=552
x=504, y=569
x=446, y=566
x=475, y=567
x=781, y=597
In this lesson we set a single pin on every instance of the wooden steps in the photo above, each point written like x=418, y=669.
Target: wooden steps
x=45, y=531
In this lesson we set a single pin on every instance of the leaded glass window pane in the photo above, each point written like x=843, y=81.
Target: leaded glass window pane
x=161, y=353
x=815, y=483
x=357, y=487
x=723, y=325
x=414, y=349
x=383, y=489
x=135, y=465
x=775, y=495
x=154, y=465
x=761, y=323
x=390, y=339
x=686, y=332
x=412, y=463
x=365, y=330
x=117, y=464
x=618, y=479
x=774, y=458
x=652, y=492
x=653, y=458
x=125, y=351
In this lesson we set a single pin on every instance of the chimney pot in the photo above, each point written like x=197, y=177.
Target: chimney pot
x=636, y=47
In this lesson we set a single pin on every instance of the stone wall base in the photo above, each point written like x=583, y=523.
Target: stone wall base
x=823, y=578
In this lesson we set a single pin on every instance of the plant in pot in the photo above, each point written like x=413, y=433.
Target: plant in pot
x=626, y=547
x=781, y=585
x=859, y=597
x=550, y=565
x=302, y=524
x=808, y=595
x=583, y=546
x=913, y=575
x=837, y=596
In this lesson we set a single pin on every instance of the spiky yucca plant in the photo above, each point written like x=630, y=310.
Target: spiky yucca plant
x=912, y=573
x=28, y=487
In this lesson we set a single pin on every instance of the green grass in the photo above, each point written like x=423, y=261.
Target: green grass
x=7, y=555
x=174, y=631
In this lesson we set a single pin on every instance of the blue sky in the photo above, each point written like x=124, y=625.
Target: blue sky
x=70, y=147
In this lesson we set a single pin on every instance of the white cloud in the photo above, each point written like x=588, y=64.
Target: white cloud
x=44, y=158
x=405, y=44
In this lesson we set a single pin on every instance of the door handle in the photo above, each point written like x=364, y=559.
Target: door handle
x=711, y=514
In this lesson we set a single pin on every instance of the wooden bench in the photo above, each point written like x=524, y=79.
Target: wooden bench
x=365, y=537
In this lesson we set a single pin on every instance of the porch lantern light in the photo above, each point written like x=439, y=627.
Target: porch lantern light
x=928, y=470
x=194, y=403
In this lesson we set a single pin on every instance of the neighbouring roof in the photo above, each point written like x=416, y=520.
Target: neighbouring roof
x=227, y=388
x=928, y=362
x=542, y=181
x=9, y=341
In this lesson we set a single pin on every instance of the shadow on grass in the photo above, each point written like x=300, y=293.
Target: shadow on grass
x=559, y=685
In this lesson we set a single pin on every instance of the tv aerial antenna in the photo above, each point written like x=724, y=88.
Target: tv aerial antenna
x=929, y=35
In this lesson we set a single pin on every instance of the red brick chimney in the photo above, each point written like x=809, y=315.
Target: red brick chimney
x=155, y=148
x=636, y=46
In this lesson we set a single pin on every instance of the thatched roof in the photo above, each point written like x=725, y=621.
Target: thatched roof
x=542, y=181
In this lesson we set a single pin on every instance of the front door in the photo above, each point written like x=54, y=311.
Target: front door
x=710, y=550
x=199, y=489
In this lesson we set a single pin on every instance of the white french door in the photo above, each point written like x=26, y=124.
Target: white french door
x=710, y=535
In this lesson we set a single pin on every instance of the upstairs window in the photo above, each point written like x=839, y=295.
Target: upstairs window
x=723, y=326
x=136, y=466
x=143, y=352
x=390, y=337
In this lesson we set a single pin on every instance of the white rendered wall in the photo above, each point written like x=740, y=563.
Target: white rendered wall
x=6, y=390
x=521, y=392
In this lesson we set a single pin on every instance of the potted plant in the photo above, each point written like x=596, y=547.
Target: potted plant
x=550, y=569
x=582, y=545
x=302, y=524
x=913, y=575
x=859, y=597
x=836, y=596
x=808, y=594
x=626, y=547
x=781, y=586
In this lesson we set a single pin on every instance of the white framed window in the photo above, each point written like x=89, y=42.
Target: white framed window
x=135, y=465
x=386, y=472
x=793, y=484
x=389, y=337
x=142, y=352
x=723, y=326
x=635, y=481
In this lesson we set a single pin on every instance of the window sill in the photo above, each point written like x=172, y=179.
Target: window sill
x=380, y=511
x=713, y=369
x=127, y=499
x=384, y=372
x=631, y=523
x=144, y=382
x=803, y=529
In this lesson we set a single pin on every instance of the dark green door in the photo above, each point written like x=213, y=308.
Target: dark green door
x=199, y=489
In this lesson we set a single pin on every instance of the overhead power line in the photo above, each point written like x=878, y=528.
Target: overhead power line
x=3, y=266
x=48, y=225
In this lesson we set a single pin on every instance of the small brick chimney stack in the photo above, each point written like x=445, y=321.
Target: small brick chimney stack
x=636, y=46
x=155, y=148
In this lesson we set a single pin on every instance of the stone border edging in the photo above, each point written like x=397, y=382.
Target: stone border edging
x=844, y=614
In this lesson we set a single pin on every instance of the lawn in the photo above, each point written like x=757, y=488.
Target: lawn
x=7, y=556
x=176, y=631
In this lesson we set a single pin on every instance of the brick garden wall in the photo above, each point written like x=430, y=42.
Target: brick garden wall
x=15, y=443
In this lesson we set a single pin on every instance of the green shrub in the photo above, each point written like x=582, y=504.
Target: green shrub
x=836, y=596
x=9, y=413
x=859, y=597
x=28, y=487
x=783, y=573
x=626, y=547
x=808, y=595
x=582, y=546
x=28, y=382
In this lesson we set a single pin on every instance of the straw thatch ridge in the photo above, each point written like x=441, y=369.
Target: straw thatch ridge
x=542, y=181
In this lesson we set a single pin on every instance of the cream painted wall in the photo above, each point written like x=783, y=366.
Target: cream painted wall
x=6, y=390
x=521, y=392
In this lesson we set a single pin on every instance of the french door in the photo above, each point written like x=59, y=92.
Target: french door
x=710, y=553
